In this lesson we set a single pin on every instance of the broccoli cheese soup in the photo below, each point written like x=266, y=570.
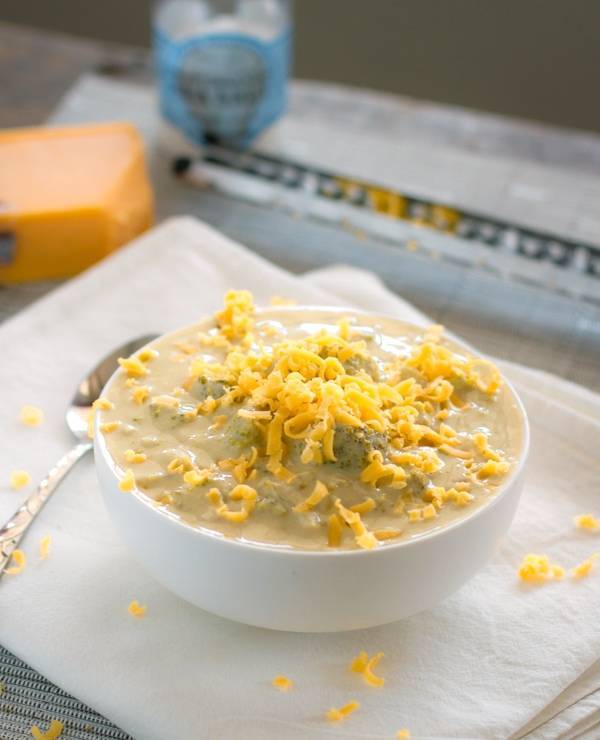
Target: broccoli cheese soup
x=310, y=428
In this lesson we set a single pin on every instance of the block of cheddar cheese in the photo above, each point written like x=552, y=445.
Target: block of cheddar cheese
x=68, y=197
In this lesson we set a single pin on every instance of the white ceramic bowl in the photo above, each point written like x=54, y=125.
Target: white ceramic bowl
x=309, y=591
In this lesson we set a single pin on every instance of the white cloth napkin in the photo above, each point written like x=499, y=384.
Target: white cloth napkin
x=481, y=665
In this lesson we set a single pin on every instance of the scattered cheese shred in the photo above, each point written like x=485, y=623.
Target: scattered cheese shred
x=235, y=320
x=246, y=494
x=538, y=569
x=368, y=674
x=110, y=426
x=103, y=404
x=180, y=465
x=415, y=515
x=320, y=491
x=583, y=569
x=140, y=393
x=147, y=355
x=335, y=715
x=587, y=521
x=359, y=663
x=31, y=416
x=127, y=482
x=363, y=537
x=282, y=683
x=334, y=531
x=19, y=479
x=135, y=458
x=364, y=665
x=429, y=511
x=53, y=732
x=387, y=534
x=134, y=367
x=136, y=609
x=20, y=561
x=45, y=544
x=365, y=506
x=492, y=468
x=196, y=477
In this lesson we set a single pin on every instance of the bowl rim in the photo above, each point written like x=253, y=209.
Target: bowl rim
x=100, y=447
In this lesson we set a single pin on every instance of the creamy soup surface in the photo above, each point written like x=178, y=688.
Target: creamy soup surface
x=310, y=429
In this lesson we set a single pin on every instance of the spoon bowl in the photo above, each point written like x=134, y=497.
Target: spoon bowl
x=77, y=417
x=91, y=386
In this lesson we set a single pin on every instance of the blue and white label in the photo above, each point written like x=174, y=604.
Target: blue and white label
x=224, y=87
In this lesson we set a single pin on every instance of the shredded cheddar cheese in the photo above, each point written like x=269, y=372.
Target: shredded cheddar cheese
x=492, y=468
x=180, y=465
x=363, y=537
x=335, y=715
x=387, y=534
x=31, y=416
x=359, y=663
x=20, y=561
x=18, y=479
x=334, y=531
x=127, y=482
x=369, y=676
x=110, y=426
x=282, y=683
x=415, y=515
x=429, y=511
x=140, y=393
x=136, y=609
x=364, y=507
x=147, y=355
x=53, y=732
x=235, y=319
x=197, y=477
x=583, y=569
x=103, y=404
x=241, y=492
x=537, y=569
x=135, y=458
x=587, y=521
x=133, y=366
x=45, y=544
x=365, y=666
x=320, y=491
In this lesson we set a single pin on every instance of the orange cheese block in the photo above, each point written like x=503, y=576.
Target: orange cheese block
x=68, y=197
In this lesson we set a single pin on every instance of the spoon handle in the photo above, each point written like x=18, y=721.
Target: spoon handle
x=14, y=529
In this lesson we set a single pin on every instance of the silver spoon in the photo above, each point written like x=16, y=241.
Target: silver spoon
x=77, y=420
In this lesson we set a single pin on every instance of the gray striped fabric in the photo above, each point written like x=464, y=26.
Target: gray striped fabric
x=29, y=699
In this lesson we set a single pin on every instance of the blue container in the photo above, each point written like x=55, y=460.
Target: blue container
x=222, y=66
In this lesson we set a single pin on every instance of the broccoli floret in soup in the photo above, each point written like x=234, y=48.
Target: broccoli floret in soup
x=242, y=432
x=360, y=363
x=351, y=446
x=204, y=387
